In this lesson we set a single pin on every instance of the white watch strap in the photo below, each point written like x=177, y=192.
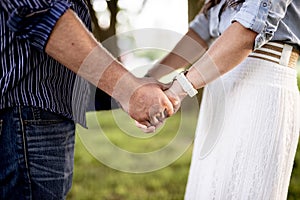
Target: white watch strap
x=186, y=85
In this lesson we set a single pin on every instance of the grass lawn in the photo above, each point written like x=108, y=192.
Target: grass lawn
x=95, y=181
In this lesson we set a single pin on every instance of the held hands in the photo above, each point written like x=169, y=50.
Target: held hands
x=144, y=100
x=175, y=95
x=149, y=105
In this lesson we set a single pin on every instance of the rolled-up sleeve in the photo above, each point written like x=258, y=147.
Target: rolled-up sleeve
x=34, y=20
x=200, y=25
x=263, y=17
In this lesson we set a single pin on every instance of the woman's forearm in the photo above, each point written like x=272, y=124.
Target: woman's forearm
x=190, y=48
x=230, y=49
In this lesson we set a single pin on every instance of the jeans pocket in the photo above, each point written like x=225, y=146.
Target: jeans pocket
x=43, y=122
x=42, y=117
x=50, y=149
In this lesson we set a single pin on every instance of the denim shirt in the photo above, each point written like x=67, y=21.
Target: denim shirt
x=273, y=20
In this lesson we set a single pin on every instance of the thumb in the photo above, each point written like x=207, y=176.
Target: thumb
x=169, y=109
x=164, y=86
x=174, y=99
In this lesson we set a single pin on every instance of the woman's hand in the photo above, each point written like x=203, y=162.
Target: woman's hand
x=176, y=94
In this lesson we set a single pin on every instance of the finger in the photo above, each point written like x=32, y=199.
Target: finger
x=144, y=128
x=169, y=110
x=157, y=118
x=145, y=123
x=176, y=104
x=174, y=100
x=162, y=116
x=139, y=125
x=150, y=129
x=164, y=86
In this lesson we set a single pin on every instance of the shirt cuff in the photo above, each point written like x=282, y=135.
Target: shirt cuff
x=36, y=25
x=253, y=15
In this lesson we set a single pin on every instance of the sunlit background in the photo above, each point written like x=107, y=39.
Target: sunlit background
x=140, y=14
x=136, y=14
x=170, y=15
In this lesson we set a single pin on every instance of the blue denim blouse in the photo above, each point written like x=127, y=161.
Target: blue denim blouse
x=273, y=20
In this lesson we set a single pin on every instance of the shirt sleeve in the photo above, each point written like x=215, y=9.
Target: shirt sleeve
x=263, y=17
x=34, y=20
x=200, y=24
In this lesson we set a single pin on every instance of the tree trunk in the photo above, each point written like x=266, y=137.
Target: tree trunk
x=194, y=6
x=103, y=34
x=101, y=100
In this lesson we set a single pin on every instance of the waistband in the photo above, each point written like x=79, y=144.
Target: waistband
x=263, y=73
x=277, y=52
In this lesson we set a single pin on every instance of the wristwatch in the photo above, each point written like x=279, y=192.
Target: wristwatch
x=185, y=84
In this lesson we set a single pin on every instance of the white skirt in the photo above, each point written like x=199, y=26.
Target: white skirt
x=247, y=134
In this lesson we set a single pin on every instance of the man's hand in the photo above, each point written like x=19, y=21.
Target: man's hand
x=143, y=99
x=149, y=105
x=175, y=95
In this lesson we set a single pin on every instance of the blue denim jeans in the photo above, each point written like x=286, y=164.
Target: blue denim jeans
x=36, y=154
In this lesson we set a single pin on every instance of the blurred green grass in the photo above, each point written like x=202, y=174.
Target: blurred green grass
x=95, y=181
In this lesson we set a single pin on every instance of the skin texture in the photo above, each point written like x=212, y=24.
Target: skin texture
x=70, y=43
x=236, y=40
x=216, y=61
x=189, y=49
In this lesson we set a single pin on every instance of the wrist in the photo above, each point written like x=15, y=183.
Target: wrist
x=185, y=84
x=177, y=90
x=124, y=89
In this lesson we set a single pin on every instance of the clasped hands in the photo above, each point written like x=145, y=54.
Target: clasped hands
x=152, y=102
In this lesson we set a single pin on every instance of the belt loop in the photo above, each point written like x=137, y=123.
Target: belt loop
x=286, y=54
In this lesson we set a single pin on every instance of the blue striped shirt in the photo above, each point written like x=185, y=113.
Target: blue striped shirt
x=28, y=76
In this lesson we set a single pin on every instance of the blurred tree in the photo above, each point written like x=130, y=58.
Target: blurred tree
x=102, y=100
x=104, y=33
x=194, y=6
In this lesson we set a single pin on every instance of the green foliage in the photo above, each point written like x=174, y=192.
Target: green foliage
x=294, y=190
x=299, y=80
x=151, y=54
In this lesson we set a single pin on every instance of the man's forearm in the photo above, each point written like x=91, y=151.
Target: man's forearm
x=71, y=43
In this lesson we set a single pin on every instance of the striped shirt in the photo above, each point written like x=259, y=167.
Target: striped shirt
x=28, y=76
